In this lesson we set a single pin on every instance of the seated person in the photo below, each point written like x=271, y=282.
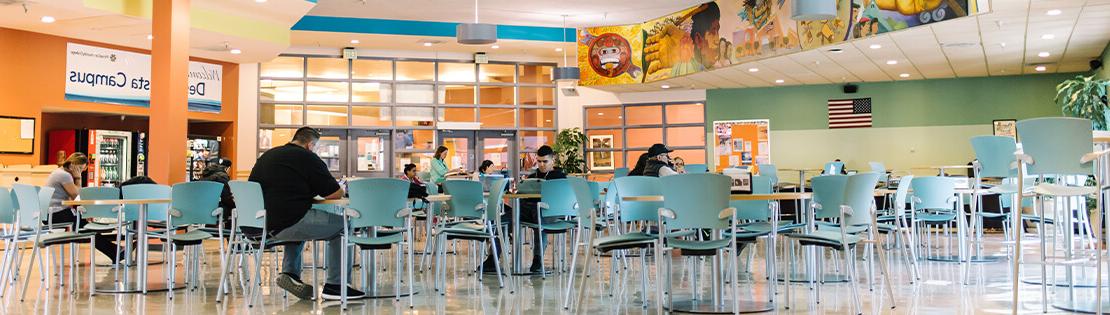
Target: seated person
x=659, y=161
x=546, y=170
x=292, y=176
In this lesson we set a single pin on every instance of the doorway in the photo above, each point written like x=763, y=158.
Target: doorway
x=355, y=153
x=468, y=148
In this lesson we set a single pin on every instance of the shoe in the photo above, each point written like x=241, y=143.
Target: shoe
x=537, y=265
x=293, y=285
x=331, y=292
x=489, y=267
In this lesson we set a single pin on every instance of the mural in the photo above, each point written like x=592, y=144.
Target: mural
x=820, y=33
x=881, y=16
x=759, y=28
x=612, y=55
x=676, y=45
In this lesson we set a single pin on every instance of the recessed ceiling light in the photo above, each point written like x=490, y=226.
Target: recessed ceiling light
x=836, y=50
x=601, y=114
x=665, y=86
x=1043, y=54
x=354, y=41
x=1054, y=12
x=549, y=120
x=149, y=36
x=1048, y=36
x=559, y=49
x=892, y=62
x=904, y=75
x=260, y=1
x=780, y=81
x=1040, y=68
x=47, y=19
x=495, y=47
x=753, y=69
x=427, y=44
x=236, y=51
x=876, y=46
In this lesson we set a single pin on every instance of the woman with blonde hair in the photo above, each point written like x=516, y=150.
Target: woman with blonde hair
x=66, y=183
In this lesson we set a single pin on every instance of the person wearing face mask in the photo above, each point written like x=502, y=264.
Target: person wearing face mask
x=66, y=183
x=659, y=161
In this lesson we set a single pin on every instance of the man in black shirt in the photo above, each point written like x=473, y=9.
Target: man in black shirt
x=291, y=177
x=546, y=170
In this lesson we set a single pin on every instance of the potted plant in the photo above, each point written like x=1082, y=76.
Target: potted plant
x=1085, y=97
x=569, y=151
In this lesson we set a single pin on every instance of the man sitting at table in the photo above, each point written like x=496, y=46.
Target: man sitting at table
x=291, y=177
x=546, y=170
x=659, y=161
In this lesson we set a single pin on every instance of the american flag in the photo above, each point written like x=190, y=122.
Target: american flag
x=852, y=113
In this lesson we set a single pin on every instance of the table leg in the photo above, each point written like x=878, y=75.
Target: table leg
x=142, y=248
x=517, y=266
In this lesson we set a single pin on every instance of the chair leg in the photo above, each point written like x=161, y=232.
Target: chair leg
x=411, y=264
x=30, y=269
x=789, y=275
x=92, y=266
x=850, y=256
x=885, y=269
x=570, y=275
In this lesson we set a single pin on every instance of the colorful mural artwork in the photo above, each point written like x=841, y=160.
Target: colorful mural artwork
x=613, y=55
x=881, y=16
x=760, y=28
x=673, y=47
x=829, y=32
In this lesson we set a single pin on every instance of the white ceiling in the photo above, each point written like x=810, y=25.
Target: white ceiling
x=506, y=48
x=1006, y=41
x=580, y=13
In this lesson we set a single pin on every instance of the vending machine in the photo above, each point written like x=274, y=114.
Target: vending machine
x=200, y=149
x=114, y=156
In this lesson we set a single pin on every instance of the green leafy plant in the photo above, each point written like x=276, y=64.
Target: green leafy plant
x=568, y=148
x=1084, y=97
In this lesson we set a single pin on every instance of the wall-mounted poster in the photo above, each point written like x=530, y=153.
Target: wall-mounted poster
x=742, y=143
x=111, y=76
x=601, y=161
x=610, y=55
x=1005, y=127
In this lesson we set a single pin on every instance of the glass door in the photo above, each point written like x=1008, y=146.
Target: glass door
x=460, y=149
x=332, y=149
x=372, y=153
x=499, y=147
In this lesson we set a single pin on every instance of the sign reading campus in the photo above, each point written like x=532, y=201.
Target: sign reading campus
x=102, y=75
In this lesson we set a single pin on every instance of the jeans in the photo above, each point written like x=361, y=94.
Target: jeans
x=102, y=244
x=316, y=225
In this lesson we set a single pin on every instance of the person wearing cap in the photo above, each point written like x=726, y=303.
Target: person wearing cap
x=216, y=171
x=659, y=161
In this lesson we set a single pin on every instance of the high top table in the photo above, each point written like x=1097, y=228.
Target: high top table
x=142, y=284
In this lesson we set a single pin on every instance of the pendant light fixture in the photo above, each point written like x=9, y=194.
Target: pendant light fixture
x=566, y=72
x=813, y=10
x=476, y=33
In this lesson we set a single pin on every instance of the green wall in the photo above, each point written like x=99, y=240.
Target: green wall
x=1105, y=71
x=942, y=102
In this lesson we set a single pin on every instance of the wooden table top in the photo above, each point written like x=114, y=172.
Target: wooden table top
x=432, y=198
x=801, y=169
x=774, y=196
x=110, y=202
x=937, y=167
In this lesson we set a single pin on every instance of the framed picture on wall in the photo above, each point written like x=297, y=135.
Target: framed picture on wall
x=602, y=160
x=1005, y=127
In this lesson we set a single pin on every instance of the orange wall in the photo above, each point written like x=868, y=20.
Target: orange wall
x=32, y=68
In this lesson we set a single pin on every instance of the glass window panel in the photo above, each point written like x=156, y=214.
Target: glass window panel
x=534, y=74
x=327, y=68
x=413, y=116
x=686, y=136
x=631, y=157
x=537, y=118
x=458, y=153
x=643, y=137
x=374, y=116
x=319, y=115
x=497, y=117
x=419, y=139
x=456, y=72
x=686, y=114
x=530, y=140
x=423, y=162
x=456, y=114
x=603, y=117
x=496, y=150
x=282, y=67
x=537, y=95
x=371, y=153
x=496, y=73
x=693, y=156
x=415, y=71
x=371, y=92
x=496, y=95
x=328, y=148
x=616, y=140
x=414, y=93
x=280, y=114
x=328, y=92
x=372, y=69
x=644, y=115
x=280, y=91
x=268, y=138
x=456, y=94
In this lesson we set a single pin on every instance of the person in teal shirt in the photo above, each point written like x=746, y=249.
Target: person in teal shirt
x=439, y=167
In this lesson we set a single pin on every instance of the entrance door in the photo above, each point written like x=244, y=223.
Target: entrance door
x=332, y=148
x=460, y=149
x=371, y=153
x=467, y=149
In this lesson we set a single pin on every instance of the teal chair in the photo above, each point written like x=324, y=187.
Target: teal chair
x=760, y=219
x=588, y=231
x=109, y=212
x=31, y=209
x=1058, y=148
x=833, y=168
x=697, y=169
x=471, y=217
x=827, y=190
x=905, y=225
x=933, y=204
x=379, y=203
x=12, y=235
x=620, y=172
x=194, y=204
x=994, y=157
x=696, y=202
x=556, y=207
x=248, y=236
x=772, y=172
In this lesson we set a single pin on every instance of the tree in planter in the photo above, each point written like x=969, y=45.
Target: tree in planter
x=569, y=151
x=1084, y=97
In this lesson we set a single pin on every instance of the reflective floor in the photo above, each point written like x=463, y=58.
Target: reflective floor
x=938, y=292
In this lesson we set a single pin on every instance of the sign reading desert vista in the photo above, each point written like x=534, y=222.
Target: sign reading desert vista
x=102, y=75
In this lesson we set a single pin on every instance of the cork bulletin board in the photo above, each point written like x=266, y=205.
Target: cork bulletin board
x=17, y=135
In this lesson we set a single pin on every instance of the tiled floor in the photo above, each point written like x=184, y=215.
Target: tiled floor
x=939, y=292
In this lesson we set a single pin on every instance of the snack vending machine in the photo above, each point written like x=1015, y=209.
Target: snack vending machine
x=114, y=156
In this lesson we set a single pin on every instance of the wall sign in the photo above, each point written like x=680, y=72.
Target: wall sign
x=103, y=75
x=742, y=143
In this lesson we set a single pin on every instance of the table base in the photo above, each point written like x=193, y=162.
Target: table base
x=805, y=278
x=724, y=307
x=123, y=288
x=956, y=259
x=388, y=291
x=1086, y=306
x=1062, y=282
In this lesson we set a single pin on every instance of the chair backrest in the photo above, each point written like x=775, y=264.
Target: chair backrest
x=559, y=196
x=156, y=211
x=833, y=168
x=755, y=209
x=902, y=193
x=859, y=194
x=828, y=191
x=697, y=200
x=196, y=201
x=7, y=206
x=877, y=167
x=632, y=186
x=248, y=202
x=495, y=198
x=995, y=155
x=584, y=196
x=934, y=192
x=620, y=172
x=466, y=199
x=770, y=171
x=697, y=168
x=99, y=193
x=1056, y=145
x=595, y=189
x=30, y=205
x=377, y=201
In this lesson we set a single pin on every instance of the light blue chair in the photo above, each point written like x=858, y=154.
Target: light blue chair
x=587, y=229
x=620, y=172
x=556, y=207
x=193, y=204
x=760, y=219
x=994, y=157
x=1059, y=148
x=16, y=230
x=31, y=209
x=110, y=212
x=470, y=217
x=772, y=172
x=833, y=168
x=696, y=202
x=249, y=236
x=697, y=169
x=827, y=190
x=379, y=203
x=933, y=203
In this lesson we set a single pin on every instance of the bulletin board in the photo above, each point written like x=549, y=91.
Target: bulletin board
x=17, y=135
x=742, y=143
